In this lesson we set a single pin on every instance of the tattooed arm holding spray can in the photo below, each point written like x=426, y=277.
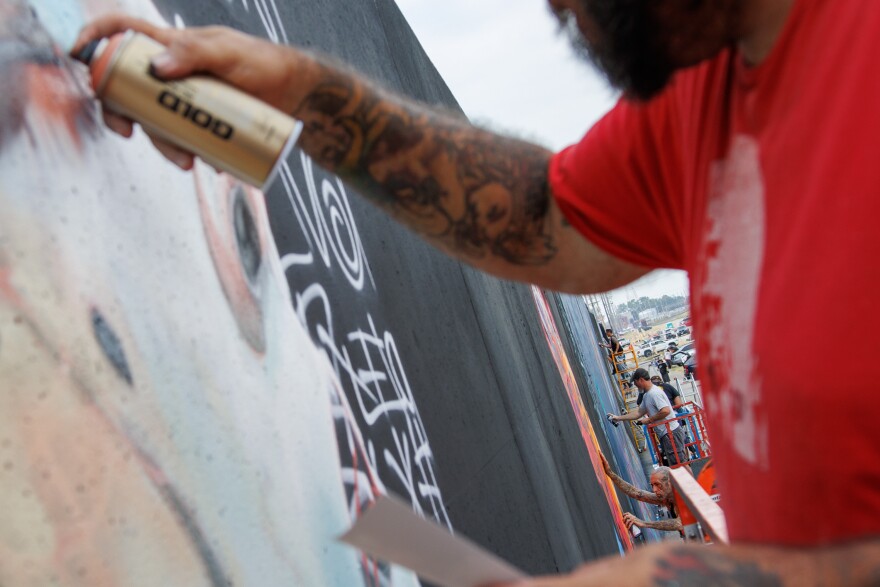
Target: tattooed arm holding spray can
x=478, y=196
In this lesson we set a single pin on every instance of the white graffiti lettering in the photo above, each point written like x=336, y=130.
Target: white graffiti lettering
x=368, y=364
x=365, y=357
x=268, y=13
x=367, y=361
x=328, y=224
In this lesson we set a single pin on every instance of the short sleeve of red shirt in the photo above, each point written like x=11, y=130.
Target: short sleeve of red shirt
x=620, y=185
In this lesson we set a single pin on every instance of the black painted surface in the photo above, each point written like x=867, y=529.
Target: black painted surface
x=507, y=451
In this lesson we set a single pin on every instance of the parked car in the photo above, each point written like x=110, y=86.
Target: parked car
x=659, y=347
x=688, y=347
x=682, y=355
x=670, y=334
x=684, y=331
x=680, y=358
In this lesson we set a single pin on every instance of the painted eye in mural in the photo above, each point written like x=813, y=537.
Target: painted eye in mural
x=236, y=228
x=247, y=238
x=111, y=345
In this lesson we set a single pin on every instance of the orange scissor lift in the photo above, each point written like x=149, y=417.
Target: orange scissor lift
x=697, y=444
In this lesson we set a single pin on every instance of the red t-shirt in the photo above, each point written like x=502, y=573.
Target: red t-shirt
x=764, y=184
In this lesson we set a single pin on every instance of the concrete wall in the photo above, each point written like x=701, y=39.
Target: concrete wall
x=169, y=417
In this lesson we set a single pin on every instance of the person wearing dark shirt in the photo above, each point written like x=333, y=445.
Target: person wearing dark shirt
x=613, y=344
x=615, y=357
x=671, y=392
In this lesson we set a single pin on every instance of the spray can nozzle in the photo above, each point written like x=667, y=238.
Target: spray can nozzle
x=90, y=51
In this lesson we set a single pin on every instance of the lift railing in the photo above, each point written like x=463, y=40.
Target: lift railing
x=697, y=445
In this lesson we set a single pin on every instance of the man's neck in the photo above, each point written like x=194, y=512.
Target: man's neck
x=763, y=21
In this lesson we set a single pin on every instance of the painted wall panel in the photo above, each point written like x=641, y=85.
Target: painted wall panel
x=166, y=418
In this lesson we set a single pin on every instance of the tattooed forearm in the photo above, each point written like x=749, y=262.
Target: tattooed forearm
x=666, y=525
x=475, y=193
x=854, y=565
x=696, y=568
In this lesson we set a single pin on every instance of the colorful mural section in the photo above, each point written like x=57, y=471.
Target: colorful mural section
x=600, y=395
x=560, y=357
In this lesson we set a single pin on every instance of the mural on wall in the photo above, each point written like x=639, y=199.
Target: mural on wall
x=592, y=360
x=200, y=385
x=560, y=357
x=164, y=417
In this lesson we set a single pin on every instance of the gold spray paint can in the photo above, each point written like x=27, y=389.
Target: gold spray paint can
x=222, y=125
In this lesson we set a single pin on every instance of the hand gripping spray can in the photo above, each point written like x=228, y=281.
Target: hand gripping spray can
x=224, y=126
x=636, y=531
x=615, y=423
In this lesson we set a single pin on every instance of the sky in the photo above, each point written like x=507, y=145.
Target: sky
x=511, y=70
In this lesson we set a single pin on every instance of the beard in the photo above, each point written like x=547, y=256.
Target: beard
x=631, y=46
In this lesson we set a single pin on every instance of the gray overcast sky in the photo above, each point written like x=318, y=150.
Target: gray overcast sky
x=511, y=70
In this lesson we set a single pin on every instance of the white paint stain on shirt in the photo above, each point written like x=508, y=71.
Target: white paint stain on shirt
x=734, y=245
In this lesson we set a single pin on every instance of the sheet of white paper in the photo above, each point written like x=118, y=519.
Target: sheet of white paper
x=392, y=532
